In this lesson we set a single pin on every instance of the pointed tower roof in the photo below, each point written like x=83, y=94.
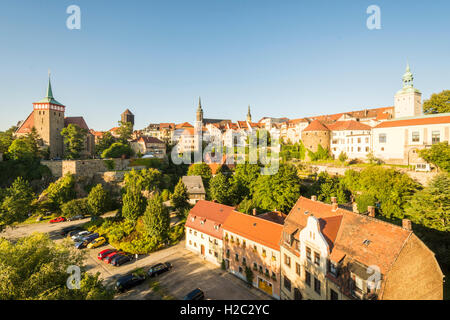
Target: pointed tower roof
x=199, y=104
x=49, y=97
x=408, y=81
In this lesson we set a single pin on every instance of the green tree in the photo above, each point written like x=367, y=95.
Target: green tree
x=98, y=200
x=180, y=197
x=117, y=150
x=59, y=192
x=157, y=219
x=74, y=139
x=75, y=207
x=35, y=268
x=438, y=154
x=220, y=189
x=146, y=179
x=279, y=191
x=6, y=138
x=343, y=156
x=365, y=200
x=430, y=207
x=438, y=103
x=328, y=187
x=247, y=205
x=125, y=131
x=21, y=149
x=202, y=170
x=320, y=154
x=133, y=203
x=104, y=143
x=16, y=204
x=244, y=179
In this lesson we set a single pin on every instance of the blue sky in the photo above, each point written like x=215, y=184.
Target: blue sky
x=284, y=58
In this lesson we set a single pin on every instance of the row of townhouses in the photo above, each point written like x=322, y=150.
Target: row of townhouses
x=318, y=251
x=393, y=134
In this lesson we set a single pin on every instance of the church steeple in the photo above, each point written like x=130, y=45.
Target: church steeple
x=49, y=88
x=199, y=111
x=249, y=115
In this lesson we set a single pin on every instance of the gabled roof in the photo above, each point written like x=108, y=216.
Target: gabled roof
x=127, y=111
x=27, y=125
x=416, y=121
x=256, y=229
x=79, y=121
x=208, y=217
x=184, y=125
x=194, y=184
x=348, y=125
x=316, y=125
x=147, y=139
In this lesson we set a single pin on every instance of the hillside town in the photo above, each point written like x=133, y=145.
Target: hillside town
x=357, y=209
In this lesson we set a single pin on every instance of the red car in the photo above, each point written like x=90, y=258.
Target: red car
x=59, y=219
x=110, y=256
x=103, y=254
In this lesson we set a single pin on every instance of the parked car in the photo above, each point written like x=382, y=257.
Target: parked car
x=59, y=219
x=103, y=254
x=80, y=244
x=67, y=230
x=80, y=235
x=77, y=217
x=121, y=259
x=110, y=256
x=73, y=233
x=159, y=268
x=195, y=294
x=96, y=242
x=85, y=241
x=129, y=281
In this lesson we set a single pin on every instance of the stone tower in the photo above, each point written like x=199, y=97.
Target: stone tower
x=49, y=121
x=249, y=115
x=198, y=127
x=408, y=101
x=127, y=116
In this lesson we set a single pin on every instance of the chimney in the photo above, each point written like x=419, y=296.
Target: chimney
x=314, y=198
x=371, y=210
x=333, y=200
x=334, y=206
x=406, y=224
x=355, y=207
x=254, y=211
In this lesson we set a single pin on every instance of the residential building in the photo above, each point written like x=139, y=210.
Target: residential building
x=204, y=230
x=149, y=146
x=195, y=189
x=351, y=137
x=398, y=141
x=252, y=245
x=329, y=253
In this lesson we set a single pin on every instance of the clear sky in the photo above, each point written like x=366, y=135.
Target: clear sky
x=284, y=58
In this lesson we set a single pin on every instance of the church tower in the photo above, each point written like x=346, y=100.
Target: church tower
x=49, y=121
x=249, y=115
x=198, y=127
x=408, y=101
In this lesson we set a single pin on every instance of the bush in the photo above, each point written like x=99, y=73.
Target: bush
x=109, y=164
x=117, y=150
x=343, y=156
x=75, y=207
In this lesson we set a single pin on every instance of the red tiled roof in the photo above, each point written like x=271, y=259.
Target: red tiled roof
x=27, y=125
x=316, y=125
x=251, y=227
x=415, y=121
x=184, y=125
x=147, y=139
x=348, y=125
x=386, y=240
x=211, y=214
x=79, y=121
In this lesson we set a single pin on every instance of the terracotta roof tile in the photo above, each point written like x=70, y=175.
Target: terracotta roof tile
x=416, y=121
x=348, y=125
x=208, y=217
x=79, y=121
x=27, y=125
x=316, y=125
x=260, y=230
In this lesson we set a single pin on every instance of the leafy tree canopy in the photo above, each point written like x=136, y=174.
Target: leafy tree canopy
x=438, y=103
x=117, y=150
x=180, y=197
x=438, y=154
x=35, y=268
x=74, y=139
x=98, y=200
x=157, y=219
x=16, y=203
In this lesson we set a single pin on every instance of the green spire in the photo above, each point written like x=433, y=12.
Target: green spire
x=49, y=88
x=408, y=79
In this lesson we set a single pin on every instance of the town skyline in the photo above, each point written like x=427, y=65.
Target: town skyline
x=278, y=59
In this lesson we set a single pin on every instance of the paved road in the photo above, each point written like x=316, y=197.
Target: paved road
x=189, y=270
x=43, y=227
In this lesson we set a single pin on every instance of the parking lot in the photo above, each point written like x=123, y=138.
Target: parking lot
x=189, y=272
